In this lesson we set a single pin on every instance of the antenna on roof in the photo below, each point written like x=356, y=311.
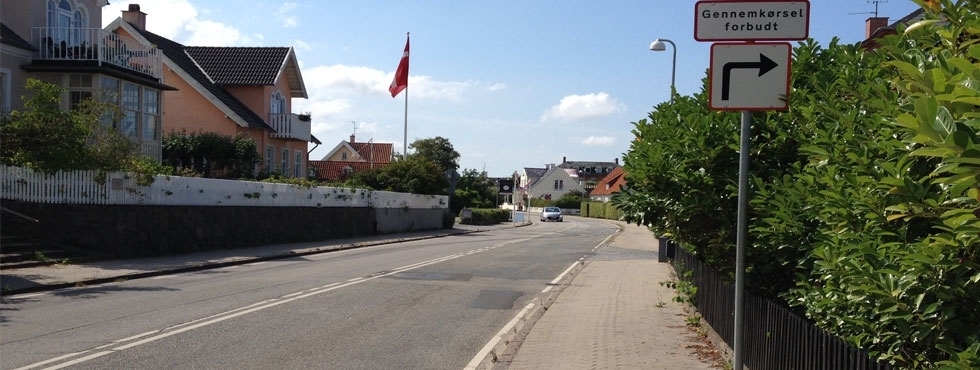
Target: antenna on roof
x=876, y=2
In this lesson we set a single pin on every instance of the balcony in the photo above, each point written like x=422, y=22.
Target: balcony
x=290, y=126
x=95, y=45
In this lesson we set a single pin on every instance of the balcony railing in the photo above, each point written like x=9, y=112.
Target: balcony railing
x=95, y=44
x=290, y=126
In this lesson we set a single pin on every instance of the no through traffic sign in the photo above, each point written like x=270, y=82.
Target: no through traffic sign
x=751, y=20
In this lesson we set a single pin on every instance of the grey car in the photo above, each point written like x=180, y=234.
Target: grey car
x=551, y=214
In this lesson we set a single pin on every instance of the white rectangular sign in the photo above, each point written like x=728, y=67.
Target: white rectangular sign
x=746, y=76
x=751, y=20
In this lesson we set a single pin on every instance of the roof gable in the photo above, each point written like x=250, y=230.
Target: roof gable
x=611, y=184
x=183, y=64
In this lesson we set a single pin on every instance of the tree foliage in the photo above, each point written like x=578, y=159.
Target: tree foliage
x=474, y=190
x=412, y=174
x=864, y=195
x=438, y=150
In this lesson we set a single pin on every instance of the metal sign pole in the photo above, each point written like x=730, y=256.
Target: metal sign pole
x=743, y=204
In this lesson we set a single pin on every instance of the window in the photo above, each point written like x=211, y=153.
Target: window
x=4, y=91
x=79, y=89
x=139, y=105
x=66, y=22
x=151, y=114
x=343, y=156
x=559, y=184
x=130, y=108
x=270, y=158
x=284, y=162
x=297, y=164
x=277, y=104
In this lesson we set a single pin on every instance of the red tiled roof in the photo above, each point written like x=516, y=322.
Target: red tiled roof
x=377, y=153
x=337, y=170
x=614, y=179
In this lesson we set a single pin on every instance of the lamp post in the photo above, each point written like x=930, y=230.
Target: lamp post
x=658, y=45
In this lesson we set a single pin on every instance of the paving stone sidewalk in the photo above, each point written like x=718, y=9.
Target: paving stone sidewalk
x=616, y=314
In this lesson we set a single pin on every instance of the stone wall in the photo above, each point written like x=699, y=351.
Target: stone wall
x=128, y=231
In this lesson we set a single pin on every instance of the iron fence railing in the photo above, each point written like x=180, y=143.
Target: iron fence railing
x=776, y=338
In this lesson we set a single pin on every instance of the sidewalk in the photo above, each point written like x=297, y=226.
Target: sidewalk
x=615, y=314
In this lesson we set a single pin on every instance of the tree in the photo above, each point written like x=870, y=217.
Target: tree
x=412, y=174
x=475, y=190
x=45, y=138
x=438, y=150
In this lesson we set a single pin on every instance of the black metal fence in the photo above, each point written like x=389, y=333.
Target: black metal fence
x=775, y=338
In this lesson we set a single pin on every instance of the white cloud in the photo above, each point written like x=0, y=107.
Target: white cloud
x=301, y=45
x=497, y=87
x=283, y=17
x=599, y=141
x=178, y=20
x=583, y=108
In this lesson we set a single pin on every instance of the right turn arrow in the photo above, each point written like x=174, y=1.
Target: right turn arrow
x=764, y=65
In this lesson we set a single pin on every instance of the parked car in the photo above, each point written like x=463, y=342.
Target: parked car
x=551, y=214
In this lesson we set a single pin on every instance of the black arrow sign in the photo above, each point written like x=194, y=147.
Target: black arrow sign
x=764, y=65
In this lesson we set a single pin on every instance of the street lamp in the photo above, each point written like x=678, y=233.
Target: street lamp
x=658, y=45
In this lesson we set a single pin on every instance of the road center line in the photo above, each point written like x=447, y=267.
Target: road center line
x=213, y=319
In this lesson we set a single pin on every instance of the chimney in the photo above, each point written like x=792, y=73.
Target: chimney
x=873, y=24
x=351, y=138
x=617, y=161
x=564, y=160
x=135, y=17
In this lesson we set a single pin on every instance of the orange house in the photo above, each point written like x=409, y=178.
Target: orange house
x=232, y=91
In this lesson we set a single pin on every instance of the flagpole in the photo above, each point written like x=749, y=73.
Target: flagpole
x=405, y=135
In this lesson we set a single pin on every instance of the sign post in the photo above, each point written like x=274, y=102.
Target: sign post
x=748, y=76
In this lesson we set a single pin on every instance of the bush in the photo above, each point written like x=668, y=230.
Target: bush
x=486, y=216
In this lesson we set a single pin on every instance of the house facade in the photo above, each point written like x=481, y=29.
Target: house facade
x=551, y=182
x=608, y=186
x=62, y=42
x=588, y=173
x=231, y=91
x=350, y=157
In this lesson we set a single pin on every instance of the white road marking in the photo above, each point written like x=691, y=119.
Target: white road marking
x=497, y=338
x=155, y=335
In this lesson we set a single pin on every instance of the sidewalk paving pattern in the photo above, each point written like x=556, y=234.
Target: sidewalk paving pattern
x=614, y=314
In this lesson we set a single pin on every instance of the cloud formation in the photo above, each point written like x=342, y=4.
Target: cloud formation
x=574, y=108
x=599, y=141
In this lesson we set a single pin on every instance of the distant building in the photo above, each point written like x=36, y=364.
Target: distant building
x=878, y=27
x=350, y=157
x=588, y=173
x=608, y=186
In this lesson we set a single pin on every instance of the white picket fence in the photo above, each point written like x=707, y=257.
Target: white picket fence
x=118, y=188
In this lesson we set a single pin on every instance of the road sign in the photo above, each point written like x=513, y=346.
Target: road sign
x=749, y=76
x=751, y=20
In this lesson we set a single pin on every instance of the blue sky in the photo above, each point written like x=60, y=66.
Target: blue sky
x=510, y=83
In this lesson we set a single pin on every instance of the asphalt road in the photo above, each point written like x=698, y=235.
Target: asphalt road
x=429, y=304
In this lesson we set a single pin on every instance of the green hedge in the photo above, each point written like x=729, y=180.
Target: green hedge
x=601, y=210
x=486, y=216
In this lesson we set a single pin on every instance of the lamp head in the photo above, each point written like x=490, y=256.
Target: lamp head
x=658, y=45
